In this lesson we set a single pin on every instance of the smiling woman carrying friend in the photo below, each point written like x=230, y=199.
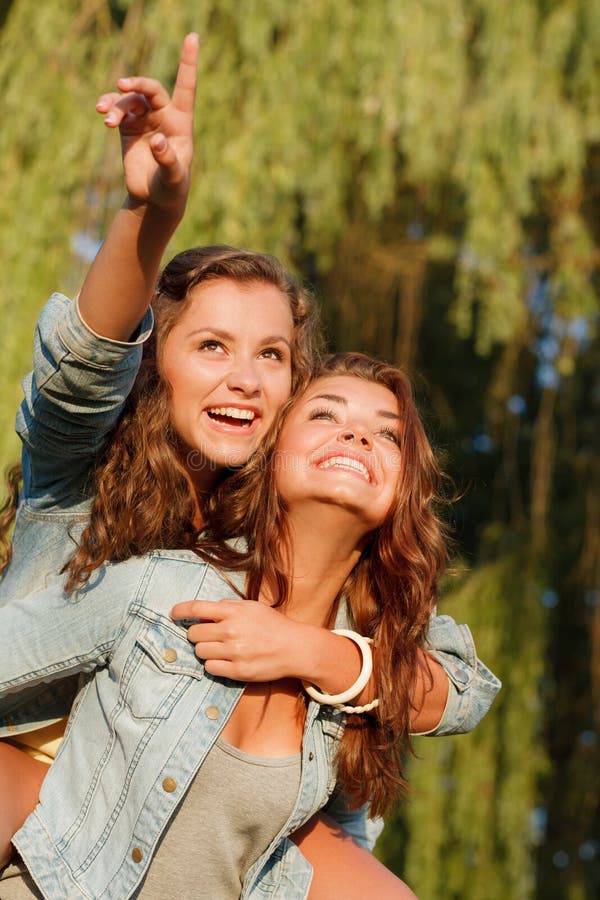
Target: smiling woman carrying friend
x=126, y=462
x=337, y=513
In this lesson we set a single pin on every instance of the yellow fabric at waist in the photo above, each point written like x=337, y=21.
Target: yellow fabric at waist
x=43, y=743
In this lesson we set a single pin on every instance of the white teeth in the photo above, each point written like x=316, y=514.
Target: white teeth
x=346, y=462
x=232, y=412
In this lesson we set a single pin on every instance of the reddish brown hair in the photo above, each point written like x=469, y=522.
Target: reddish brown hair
x=390, y=593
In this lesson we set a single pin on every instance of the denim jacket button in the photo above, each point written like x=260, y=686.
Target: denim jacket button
x=212, y=712
x=136, y=855
x=170, y=655
x=169, y=785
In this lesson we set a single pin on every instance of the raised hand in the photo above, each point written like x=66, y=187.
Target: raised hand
x=156, y=132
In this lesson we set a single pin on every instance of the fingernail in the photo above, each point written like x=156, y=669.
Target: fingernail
x=110, y=119
x=160, y=144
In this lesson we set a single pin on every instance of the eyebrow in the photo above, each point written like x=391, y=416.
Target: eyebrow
x=228, y=336
x=335, y=398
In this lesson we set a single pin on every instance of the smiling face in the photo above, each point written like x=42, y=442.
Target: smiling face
x=227, y=361
x=339, y=445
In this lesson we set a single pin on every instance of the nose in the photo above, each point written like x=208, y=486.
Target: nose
x=350, y=435
x=243, y=378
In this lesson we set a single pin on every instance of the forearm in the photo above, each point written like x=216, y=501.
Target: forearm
x=452, y=690
x=254, y=642
x=156, y=133
x=120, y=283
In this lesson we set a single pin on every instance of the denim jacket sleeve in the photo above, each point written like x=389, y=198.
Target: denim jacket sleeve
x=472, y=686
x=72, y=399
x=356, y=822
x=51, y=634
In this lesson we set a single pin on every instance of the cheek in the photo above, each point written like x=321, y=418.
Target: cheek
x=289, y=482
x=392, y=498
x=190, y=380
x=394, y=466
x=294, y=438
x=177, y=396
x=289, y=460
x=277, y=389
x=171, y=373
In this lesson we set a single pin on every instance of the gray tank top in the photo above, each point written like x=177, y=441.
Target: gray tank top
x=235, y=806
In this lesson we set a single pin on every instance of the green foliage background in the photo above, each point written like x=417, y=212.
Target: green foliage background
x=433, y=168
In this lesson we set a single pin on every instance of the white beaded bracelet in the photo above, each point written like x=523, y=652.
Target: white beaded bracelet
x=338, y=700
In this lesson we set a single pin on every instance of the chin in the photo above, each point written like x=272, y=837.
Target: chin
x=232, y=459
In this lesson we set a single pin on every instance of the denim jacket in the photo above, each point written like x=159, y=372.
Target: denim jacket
x=150, y=713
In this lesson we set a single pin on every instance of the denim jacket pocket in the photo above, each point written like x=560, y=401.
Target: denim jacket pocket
x=160, y=668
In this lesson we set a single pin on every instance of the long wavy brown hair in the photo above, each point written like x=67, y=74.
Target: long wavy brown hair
x=12, y=483
x=390, y=593
x=142, y=497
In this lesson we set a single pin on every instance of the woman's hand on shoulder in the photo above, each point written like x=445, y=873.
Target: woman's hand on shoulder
x=241, y=639
x=156, y=132
x=249, y=641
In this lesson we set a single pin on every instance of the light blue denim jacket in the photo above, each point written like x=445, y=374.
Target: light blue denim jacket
x=150, y=712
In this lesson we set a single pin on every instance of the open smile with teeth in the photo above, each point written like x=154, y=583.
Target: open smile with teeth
x=231, y=415
x=348, y=463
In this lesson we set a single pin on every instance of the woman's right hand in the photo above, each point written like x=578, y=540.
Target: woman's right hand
x=249, y=641
x=156, y=133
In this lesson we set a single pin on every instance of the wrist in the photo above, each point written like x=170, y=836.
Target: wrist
x=169, y=216
x=304, y=650
x=330, y=661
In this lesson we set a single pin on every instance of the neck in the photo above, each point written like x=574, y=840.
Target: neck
x=325, y=545
x=202, y=479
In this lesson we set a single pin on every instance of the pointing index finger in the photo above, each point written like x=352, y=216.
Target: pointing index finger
x=184, y=92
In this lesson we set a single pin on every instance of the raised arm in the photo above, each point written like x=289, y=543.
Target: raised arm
x=157, y=146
